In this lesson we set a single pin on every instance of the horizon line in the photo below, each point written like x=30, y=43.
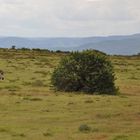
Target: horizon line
x=113, y=35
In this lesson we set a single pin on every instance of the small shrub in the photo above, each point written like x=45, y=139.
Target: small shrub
x=47, y=134
x=22, y=135
x=88, y=71
x=84, y=128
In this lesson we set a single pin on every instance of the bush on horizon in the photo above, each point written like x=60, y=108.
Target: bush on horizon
x=88, y=71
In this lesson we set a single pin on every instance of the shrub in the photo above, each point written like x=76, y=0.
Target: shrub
x=84, y=128
x=88, y=71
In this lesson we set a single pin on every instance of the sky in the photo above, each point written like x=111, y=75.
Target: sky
x=69, y=18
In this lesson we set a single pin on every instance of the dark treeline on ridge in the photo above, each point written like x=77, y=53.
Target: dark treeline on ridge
x=25, y=49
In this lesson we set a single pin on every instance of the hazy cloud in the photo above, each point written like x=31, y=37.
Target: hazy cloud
x=69, y=17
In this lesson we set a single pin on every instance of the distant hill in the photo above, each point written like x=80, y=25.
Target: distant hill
x=126, y=46
x=123, y=45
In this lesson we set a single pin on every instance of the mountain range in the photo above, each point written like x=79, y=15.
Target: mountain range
x=116, y=45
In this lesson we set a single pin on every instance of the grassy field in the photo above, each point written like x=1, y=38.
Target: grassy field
x=31, y=109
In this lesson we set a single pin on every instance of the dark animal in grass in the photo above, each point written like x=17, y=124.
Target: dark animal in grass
x=1, y=75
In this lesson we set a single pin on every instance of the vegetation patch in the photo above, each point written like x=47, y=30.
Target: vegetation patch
x=121, y=137
x=84, y=128
x=48, y=134
x=32, y=99
x=88, y=71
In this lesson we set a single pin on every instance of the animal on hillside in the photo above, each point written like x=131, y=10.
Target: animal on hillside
x=1, y=75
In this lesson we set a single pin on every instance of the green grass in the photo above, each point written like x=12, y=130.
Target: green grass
x=31, y=109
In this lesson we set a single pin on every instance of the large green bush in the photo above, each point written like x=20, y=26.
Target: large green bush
x=88, y=71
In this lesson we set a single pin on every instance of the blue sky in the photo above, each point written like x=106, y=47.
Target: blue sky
x=69, y=18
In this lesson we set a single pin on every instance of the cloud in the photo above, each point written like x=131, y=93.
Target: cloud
x=69, y=17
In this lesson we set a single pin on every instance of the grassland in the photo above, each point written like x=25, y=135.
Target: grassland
x=31, y=109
